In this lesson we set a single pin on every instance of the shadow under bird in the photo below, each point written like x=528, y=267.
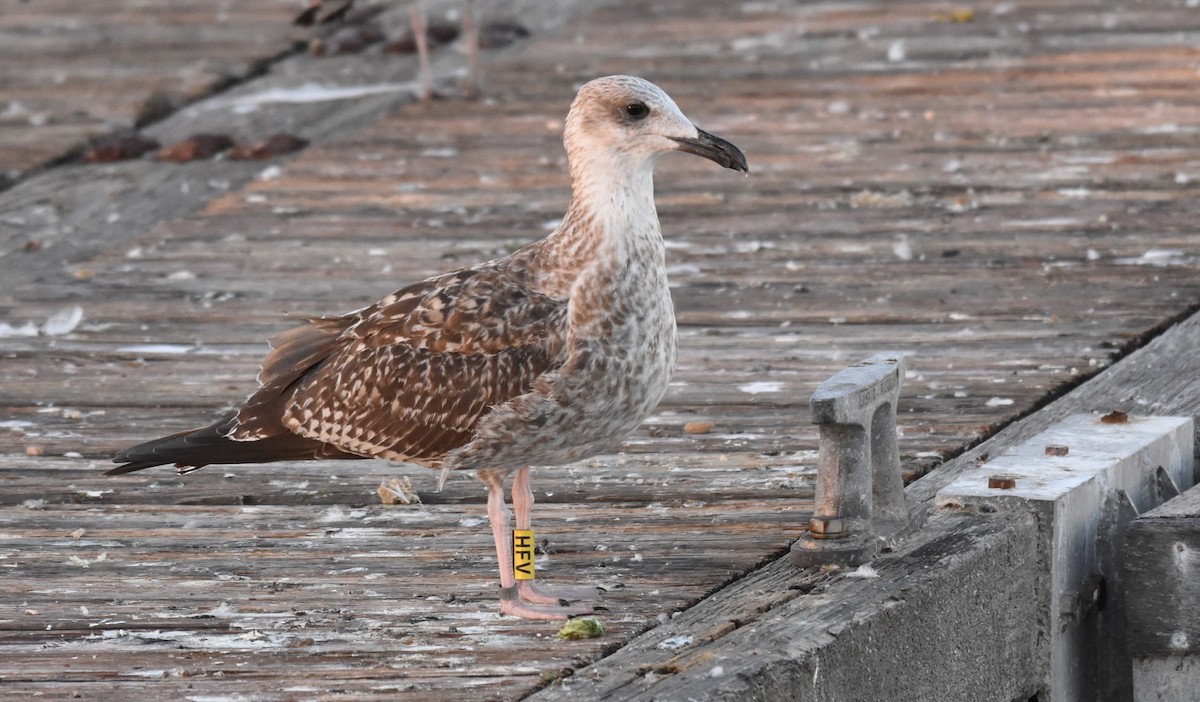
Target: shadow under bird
x=544, y=357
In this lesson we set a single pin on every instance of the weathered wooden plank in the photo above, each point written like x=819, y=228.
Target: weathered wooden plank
x=182, y=592
x=84, y=71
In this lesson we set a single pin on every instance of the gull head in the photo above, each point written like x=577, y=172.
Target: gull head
x=629, y=122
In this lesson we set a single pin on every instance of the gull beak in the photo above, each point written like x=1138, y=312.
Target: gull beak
x=714, y=149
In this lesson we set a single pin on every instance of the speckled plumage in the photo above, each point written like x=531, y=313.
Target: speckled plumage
x=546, y=356
x=543, y=357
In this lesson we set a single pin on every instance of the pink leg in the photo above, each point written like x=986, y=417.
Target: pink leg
x=510, y=600
x=522, y=497
x=423, y=69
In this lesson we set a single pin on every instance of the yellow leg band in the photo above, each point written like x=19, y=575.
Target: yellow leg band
x=522, y=550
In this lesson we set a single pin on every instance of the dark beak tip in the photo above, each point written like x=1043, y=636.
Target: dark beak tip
x=734, y=160
x=715, y=149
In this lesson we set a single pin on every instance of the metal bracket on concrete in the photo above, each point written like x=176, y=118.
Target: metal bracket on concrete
x=860, y=504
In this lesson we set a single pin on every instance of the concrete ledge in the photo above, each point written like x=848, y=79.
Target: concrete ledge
x=1166, y=679
x=1162, y=594
x=1084, y=479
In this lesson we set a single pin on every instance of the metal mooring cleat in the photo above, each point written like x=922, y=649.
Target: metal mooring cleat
x=860, y=503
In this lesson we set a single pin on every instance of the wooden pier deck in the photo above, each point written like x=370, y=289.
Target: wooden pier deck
x=1006, y=191
x=71, y=71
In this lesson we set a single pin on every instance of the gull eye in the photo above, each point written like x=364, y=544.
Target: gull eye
x=637, y=110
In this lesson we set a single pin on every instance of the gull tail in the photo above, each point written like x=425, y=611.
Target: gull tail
x=196, y=448
x=261, y=436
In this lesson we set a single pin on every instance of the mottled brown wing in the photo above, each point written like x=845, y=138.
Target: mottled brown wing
x=411, y=376
x=295, y=354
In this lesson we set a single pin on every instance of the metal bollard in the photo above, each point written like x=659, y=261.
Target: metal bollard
x=860, y=502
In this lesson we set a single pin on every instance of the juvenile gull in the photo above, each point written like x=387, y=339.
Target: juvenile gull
x=544, y=357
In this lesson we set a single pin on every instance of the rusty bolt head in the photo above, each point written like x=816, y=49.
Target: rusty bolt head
x=1001, y=482
x=826, y=527
x=1115, y=417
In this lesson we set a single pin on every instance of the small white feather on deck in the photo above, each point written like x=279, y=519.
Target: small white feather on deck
x=546, y=356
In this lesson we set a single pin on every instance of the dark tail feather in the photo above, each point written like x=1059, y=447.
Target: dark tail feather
x=196, y=448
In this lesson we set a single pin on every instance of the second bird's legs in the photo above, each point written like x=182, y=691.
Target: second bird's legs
x=513, y=597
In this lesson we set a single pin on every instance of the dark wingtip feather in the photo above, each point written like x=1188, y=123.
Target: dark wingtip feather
x=131, y=467
x=186, y=448
x=189, y=450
